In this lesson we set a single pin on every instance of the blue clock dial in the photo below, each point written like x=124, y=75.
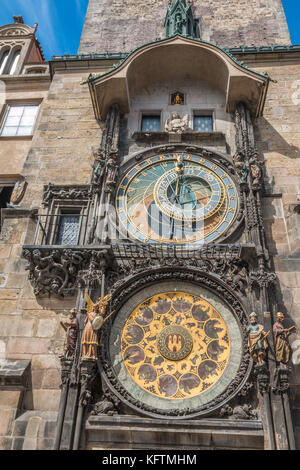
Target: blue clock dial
x=176, y=198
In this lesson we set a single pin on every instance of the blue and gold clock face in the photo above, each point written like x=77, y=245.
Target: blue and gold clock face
x=176, y=198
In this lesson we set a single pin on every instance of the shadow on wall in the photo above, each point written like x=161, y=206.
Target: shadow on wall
x=270, y=140
x=286, y=225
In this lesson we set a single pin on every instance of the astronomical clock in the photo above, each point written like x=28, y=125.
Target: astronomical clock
x=176, y=347
x=176, y=198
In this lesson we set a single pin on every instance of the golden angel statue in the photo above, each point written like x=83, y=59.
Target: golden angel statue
x=93, y=322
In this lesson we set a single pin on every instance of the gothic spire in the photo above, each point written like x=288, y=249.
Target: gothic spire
x=179, y=19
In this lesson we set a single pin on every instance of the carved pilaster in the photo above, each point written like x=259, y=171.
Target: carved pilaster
x=262, y=278
x=105, y=175
x=66, y=368
x=263, y=378
x=88, y=372
x=281, y=379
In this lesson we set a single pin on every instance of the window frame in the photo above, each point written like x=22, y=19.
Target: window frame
x=150, y=112
x=204, y=113
x=6, y=184
x=5, y=114
x=53, y=217
x=65, y=211
x=5, y=50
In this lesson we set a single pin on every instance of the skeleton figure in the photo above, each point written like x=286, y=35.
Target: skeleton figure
x=255, y=169
x=111, y=168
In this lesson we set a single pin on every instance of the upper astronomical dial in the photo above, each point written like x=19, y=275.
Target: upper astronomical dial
x=189, y=192
x=176, y=198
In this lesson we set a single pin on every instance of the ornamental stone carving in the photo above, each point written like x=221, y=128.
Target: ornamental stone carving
x=176, y=124
x=75, y=193
x=55, y=271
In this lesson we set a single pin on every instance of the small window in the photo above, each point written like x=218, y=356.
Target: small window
x=177, y=98
x=5, y=195
x=151, y=123
x=68, y=229
x=203, y=123
x=19, y=121
x=3, y=61
x=14, y=62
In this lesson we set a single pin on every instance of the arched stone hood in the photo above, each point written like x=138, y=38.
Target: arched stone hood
x=178, y=58
x=17, y=29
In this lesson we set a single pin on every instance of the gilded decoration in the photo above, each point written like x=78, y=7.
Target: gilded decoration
x=175, y=345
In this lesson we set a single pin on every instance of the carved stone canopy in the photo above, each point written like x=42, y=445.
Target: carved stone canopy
x=17, y=29
x=175, y=58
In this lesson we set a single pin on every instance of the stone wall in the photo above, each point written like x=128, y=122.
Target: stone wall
x=278, y=138
x=121, y=25
x=61, y=153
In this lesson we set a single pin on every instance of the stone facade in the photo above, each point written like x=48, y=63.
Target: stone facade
x=62, y=151
x=118, y=25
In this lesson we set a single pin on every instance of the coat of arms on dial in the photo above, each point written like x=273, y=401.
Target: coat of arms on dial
x=175, y=345
x=176, y=198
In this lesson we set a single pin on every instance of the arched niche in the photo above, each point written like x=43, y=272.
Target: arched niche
x=178, y=58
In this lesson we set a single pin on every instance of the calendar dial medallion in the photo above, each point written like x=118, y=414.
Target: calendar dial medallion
x=177, y=198
x=175, y=345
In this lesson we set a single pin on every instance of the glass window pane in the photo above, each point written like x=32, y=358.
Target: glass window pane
x=16, y=111
x=14, y=62
x=203, y=123
x=27, y=121
x=9, y=131
x=30, y=110
x=150, y=123
x=25, y=130
x=12, y=121
x=3, y=61
x=68, y=230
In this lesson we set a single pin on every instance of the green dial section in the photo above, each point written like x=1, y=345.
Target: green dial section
x=176, y=198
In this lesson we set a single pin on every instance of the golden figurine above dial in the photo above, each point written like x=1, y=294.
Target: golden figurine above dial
x=176, y=198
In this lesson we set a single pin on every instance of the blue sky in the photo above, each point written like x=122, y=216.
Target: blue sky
x=61, y=21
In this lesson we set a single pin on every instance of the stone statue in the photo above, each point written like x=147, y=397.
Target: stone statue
x=178, y=23
x=241, y=168
x=177, y=125
x=71, y=326
x=111, y=168
x=255, y=169
x=281, y=334
x=94, y=313
x=19, y=191
x=257, y=340
x=99, y=167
